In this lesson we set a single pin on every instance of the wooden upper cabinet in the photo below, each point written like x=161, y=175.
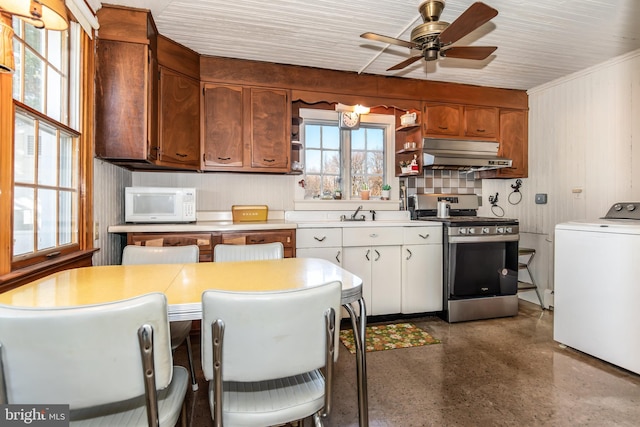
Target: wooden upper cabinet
x=246, y=128
x=442, y=119
x=481, y=122
x=270, y=129
x=179, y=114
x=513, y=145
x=222, y=145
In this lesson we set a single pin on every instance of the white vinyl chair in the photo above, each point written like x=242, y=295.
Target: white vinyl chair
x=111, y=363
x=180, y=330
x=262, y=354
x=248, y=252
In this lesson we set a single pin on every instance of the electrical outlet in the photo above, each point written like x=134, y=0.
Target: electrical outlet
x=577, y=192
x=541, y=199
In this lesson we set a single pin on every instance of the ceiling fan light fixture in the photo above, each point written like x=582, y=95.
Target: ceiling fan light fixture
x=359, y=109
x=49, y=14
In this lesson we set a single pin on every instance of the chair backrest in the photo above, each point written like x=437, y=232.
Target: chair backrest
x=133, y=254
x=248, y=252
x=82, y=356
x=268, y=335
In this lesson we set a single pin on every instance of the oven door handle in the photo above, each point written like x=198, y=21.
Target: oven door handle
x=483, y=239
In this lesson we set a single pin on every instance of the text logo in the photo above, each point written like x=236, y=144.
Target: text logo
x=34, y=415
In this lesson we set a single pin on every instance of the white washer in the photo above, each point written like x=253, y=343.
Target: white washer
x=597, y=286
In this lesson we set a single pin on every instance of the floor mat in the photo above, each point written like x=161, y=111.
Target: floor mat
x=389, y=337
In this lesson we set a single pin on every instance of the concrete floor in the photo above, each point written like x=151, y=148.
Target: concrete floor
x=498, y=372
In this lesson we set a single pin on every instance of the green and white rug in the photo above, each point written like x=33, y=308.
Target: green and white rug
x=389, y=337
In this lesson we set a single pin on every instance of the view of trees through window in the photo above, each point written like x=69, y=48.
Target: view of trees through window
x=343, y=161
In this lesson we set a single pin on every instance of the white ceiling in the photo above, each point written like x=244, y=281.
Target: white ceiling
x=538, y=40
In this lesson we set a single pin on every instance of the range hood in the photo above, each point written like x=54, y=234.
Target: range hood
x=462, y=155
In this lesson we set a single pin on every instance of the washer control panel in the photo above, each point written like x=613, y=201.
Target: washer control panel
x=624, y=210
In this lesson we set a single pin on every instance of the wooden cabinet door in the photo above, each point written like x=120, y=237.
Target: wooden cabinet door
x=204, y=241
x=270, y=129
x=481, y=122
x=122, y=72
x=222, y=145
x=513, y=143
x=442, y=120
x=179, y=120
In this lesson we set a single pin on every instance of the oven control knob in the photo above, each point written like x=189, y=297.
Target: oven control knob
x=485, y=230
x=617, y=207
x=463, y=231
x=631, y=207
x=472, y=231
x=500, y=230
x=509, y=230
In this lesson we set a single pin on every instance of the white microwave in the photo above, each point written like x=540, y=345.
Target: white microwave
x=159, y=204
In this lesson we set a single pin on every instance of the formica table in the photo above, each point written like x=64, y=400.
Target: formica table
x=183, y=285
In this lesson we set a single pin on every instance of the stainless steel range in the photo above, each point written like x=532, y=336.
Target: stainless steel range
x=480, y=260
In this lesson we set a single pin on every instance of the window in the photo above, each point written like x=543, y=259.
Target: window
x=337, y=159
x=46, y=142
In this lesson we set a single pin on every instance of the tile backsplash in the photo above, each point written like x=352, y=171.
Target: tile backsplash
x=444, y=181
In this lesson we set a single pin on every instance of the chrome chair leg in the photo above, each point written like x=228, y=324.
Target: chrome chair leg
x=194, y=382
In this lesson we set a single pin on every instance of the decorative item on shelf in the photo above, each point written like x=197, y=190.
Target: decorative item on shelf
x=414, y=164
x=296, y=166
x=404, y=166
x=408, y=119
x=364, y=191
x=338, y=194
x=386, y=192
x=410, y=145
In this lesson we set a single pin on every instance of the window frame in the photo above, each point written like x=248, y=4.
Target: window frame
x=331, y=117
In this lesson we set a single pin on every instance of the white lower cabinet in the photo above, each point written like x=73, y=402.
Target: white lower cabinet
x=324, y=243
x=422, y=286
x=373, y=253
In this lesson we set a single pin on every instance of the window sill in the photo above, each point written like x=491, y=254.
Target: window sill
x=339, y=205
x=28, y=274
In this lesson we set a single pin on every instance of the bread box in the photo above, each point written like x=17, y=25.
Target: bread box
x=249, y=213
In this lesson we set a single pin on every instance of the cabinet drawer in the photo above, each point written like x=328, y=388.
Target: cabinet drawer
x=286, y=237
x=318, y=237
x=371, y=236
x=422, y=235
x=202, y=240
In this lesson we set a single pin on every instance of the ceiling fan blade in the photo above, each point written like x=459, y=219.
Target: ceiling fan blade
x=472, y=18
x=405, y=63
x=468, y=52
x=390, y=40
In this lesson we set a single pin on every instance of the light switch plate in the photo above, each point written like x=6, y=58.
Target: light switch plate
x=541, y=199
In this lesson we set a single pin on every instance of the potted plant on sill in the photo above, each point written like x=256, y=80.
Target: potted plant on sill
x=386, y=192
x=364, y=191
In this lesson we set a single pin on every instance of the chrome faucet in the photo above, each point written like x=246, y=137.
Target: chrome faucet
x=355, y=214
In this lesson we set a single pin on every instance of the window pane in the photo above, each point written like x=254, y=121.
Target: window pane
x=33, y=81
x=331, y=162
x=357, y=163
x=47, y=156
x=23, y=220
x=54, y=94
x=375, y=139
x=47, y=219
x=24, y=154
x=312, y=136
x=312, y=161
x=312, y=186
x=55, y=48
x=65, y=220
x=66, y=161
x=331, y=137
x=357, y=139
x=375, y=163
x=35, y=38
x=17, y=76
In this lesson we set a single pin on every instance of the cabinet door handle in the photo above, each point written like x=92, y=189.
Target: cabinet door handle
x=269, y=160
x=181, y=155
x=374, y=235
x=410, y=254
x=443, y=127
x=224, y=158
x=256, y=241
x=320, y=239
x=480, y=130
x=367, y=255
x=338, y=257
x=424, y=236
x=377, y=254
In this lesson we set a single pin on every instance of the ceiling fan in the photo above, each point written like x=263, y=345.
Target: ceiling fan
x=434, y=37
